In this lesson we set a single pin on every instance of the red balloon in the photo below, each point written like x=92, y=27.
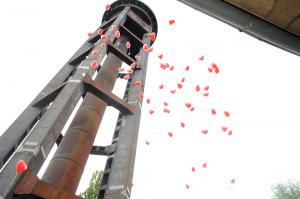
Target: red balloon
x=138, y=83
x=137, y=57
x=224, y=128
x=90, y=34
x=213, y=111
x=117, y=34
x=232, y=181
x=179, y=85
x=204, y=165
x=182, y=124
x=128, y=45
x=226, y=113
x=104, y=37
x=151, y=112
x=148, y=101
x=205, y=131
x=172, y=21
x=206, y=88
x=197, y=88
x=188, y=105
x=161, y=86
x=100, y=31
x=21, y=166
x=141, y=95
x=201, y=58
x=126, y=77
x=93, y=64
x=107, y=7
x=151, y=36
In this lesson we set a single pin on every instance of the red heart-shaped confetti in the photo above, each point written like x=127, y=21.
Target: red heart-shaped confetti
x=151, y=36
x=179, y=85
x=187, y=186
x=183, y=79
x=90, y=34
x=172, y=21
x=121, y=69
x=214, y=66
x=204, y=165
x=213, y=111
x=117, y=34
x=151, y=112
x=104, y=37
x=133, y=65
x=205, y=131
x=128, y=45
x=197, y=88
x=226, y=113
x=170, y=134
x=147, y=142
x=192, y=108
x=193, y=169
x=138, y=83
x=95, y=52
x=150, y=50
x=166, y=110
x=188, y=105
x=103, y=45
x=160, y=56
x=201, y=58
x=148, y=101
x=145, y=47
x=137, y=57
x=113, y=27
x=93, y=64
x=171, y=68
x=210, y=70
x=161, y=86
x=107, y=7
x=205, y=94
x=182, y=124
x=141, y=95
x=172, y=91
x=165, y=103
x=21, y=166
x=206, y=88
x=100, y=31
x=229, y=133
x=126, y=77
x=217, y=70
x=224, y=128
x=167, y=65
x=232, y=181
x=187, y=68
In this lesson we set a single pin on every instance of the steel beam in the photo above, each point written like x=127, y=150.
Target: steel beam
x=247, y=23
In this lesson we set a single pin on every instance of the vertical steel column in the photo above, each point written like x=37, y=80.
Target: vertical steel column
x=67, y=165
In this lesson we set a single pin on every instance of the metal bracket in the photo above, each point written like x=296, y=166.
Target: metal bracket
x=110, y=98
x=104, y=150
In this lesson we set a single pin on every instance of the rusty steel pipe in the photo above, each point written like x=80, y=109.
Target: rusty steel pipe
x=67, y=165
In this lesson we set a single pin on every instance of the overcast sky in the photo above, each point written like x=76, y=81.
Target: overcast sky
x=258, y=84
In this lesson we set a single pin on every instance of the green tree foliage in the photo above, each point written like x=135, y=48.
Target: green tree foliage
x=290, y=190
x=92, y=191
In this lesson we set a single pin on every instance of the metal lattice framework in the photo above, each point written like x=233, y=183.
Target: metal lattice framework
x=38, y=128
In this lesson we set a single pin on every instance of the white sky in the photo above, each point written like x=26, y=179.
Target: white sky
x=257, y=84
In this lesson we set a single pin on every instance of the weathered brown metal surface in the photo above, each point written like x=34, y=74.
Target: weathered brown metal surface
x=67, y=165
x=282, y=13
